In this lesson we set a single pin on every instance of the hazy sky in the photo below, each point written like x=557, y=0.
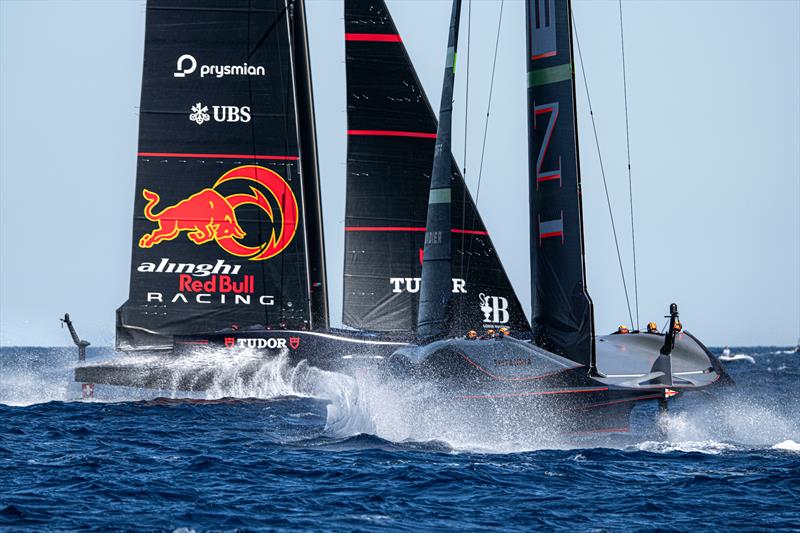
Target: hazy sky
x=714, y=99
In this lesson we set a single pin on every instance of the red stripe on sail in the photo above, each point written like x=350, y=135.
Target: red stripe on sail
x=470, y=231
x=373, y=37
x=390, y=133
x=551, y=234
x=219, y=156
x=381, y=228
x=549, y=177
x=545, y=54
x=406, y=228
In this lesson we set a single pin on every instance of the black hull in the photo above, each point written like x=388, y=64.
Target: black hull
x=490, y=377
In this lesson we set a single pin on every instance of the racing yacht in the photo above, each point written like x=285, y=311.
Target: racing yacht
x=228, y=248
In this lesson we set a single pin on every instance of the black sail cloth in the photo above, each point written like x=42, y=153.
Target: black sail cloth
x=218, y=233
x=562, y=317
x=391, y=138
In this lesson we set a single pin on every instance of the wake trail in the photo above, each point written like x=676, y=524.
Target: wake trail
x=403, y=411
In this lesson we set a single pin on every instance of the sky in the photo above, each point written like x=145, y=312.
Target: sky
x=714, y=113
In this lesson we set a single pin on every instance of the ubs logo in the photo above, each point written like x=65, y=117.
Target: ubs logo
x=494, y=308
x=220, y=113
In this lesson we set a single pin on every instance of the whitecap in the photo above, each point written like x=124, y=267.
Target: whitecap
x=788, y=445
x=710, y=447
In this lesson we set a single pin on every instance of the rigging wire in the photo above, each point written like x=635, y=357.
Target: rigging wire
x=602, y=169
x=489, y=105
x=466, y=130
x=485, y=130
x=466, y=91
x=630, y=180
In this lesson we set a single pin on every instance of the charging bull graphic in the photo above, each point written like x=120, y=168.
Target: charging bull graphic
x=208, y=215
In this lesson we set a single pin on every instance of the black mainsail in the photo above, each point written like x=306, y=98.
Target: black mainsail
x=227, y=210
x=390, y=149
x=562, y=316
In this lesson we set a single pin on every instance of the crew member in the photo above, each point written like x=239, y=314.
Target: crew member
x=678, y=326
x=472, y=335
x=504, y=332
x=652, y=327
x=489, y=334
x=622, y=330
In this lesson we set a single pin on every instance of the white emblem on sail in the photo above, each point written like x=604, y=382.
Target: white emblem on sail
x=199, y=113
x=494, y=308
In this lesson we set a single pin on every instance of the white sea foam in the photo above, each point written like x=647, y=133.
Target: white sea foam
x=737, y=357
x=401, y=410
x=708, y=447
x=29, y=377
x=788, y=445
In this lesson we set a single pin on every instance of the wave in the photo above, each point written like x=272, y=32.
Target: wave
x=711, y=447
x=401, y=412
x=788, y=445
x=737, y=357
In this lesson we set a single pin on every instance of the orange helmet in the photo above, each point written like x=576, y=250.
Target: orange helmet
x=490, y=332
x=652, y=327
x=504, y=331
x=622, y=329
x=678, y=326
x=472, y=334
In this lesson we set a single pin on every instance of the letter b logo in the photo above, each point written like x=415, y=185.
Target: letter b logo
x=500, y=309
x=494, y=308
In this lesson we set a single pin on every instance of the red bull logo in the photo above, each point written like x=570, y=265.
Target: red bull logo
x=209, y=216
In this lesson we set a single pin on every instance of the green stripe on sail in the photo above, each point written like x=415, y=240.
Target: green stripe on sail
x=546, y=76
x=439, y=196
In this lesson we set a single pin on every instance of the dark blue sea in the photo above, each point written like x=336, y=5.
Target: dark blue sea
x=302, y=449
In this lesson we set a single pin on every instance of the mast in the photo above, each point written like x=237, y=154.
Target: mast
x=435, y=289
x=562, y=315
x=309, y=166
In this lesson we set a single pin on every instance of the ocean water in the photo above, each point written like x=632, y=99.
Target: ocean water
x=298, y=448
